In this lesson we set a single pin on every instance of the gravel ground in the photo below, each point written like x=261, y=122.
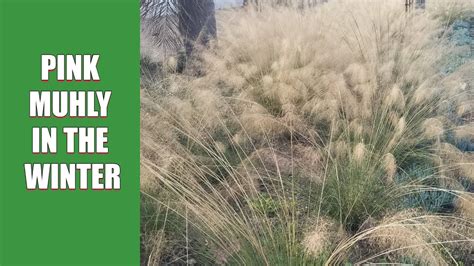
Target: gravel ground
x=462, y=37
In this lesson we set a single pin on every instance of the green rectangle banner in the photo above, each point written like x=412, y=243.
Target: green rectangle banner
x=87, y=212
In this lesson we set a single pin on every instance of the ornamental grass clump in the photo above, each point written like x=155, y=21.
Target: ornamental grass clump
x=296, y=142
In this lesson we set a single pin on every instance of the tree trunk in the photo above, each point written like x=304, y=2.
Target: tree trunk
x=197, y=22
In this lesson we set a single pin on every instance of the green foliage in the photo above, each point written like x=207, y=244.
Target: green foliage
x=354, y=193
x=279, y=250
x=264, y=203
x=431, y=200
